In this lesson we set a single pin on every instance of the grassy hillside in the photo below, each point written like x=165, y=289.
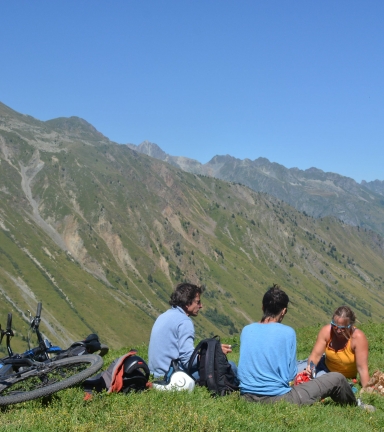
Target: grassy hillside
x=175, y=411
x=102, y=234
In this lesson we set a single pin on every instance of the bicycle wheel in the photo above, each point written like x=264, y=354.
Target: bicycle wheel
x=34, y=382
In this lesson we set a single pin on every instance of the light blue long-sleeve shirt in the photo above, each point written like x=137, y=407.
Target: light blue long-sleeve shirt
x=172, y=337
x=267, y=359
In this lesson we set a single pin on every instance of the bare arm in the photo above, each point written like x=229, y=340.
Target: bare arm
x=319, y=347
x=360, y=347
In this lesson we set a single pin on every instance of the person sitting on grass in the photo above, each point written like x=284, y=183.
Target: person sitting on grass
x=173, y=332
x=341, y=347
x=267, y=365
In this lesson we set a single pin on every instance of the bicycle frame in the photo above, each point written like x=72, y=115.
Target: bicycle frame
x=45, y=347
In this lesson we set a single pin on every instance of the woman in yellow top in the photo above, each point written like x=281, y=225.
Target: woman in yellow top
x=344, y=345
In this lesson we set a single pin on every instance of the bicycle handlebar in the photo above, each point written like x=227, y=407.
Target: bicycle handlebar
x=38, y=312
x=35, y=322
x=9, y=322
x=9, y=334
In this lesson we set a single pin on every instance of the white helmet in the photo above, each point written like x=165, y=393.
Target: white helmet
x=179, y=381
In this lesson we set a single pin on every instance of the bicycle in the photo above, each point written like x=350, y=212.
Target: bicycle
x=22, y=378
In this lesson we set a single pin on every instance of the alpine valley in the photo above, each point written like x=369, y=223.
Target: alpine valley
x=101, y=233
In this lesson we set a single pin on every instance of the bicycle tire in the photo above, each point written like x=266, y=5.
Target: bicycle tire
x=33, y=383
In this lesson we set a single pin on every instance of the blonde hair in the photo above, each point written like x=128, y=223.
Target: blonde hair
x=345, y=312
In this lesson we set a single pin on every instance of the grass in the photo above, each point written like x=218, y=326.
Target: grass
x=175, y=411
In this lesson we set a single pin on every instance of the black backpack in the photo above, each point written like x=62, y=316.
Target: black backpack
x=125, y=374
x=215, y=372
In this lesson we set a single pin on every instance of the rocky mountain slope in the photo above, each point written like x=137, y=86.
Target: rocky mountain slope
x=375, y=186
x=314, y=191
x=101, y=234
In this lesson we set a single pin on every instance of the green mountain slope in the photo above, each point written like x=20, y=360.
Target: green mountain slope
x=101, y=234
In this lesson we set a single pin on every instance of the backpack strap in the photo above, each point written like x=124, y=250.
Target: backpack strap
x=175, y=364
x=210, y=369
x=195, y=353
x=173, y=367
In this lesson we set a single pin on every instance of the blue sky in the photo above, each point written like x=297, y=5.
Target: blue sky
x=297, y=82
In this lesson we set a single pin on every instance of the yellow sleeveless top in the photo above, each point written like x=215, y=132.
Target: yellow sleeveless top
x=342, y=361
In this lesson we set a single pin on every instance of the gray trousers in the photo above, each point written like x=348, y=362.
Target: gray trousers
x=332, y=384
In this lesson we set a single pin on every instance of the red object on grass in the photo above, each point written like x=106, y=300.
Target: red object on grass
x=301, y=378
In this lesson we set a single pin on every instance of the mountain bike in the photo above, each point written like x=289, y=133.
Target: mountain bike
x=23, y=378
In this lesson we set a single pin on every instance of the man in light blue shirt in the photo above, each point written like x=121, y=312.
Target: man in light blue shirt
x=173, y=333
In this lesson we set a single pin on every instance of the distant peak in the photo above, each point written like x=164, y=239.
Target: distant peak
x=75, y=126
x=149, y=145
x=70, y=123
x=262, y=160
x=228, y=158
x=314, y=170
x=151, y=149
x=221, y=159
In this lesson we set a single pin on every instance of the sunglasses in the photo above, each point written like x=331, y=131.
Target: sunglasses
x=339, y=326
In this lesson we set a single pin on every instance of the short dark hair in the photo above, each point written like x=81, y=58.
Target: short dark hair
x=184, y=294
x=345, y=312
x=274, y=301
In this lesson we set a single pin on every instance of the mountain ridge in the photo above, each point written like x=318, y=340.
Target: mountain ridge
x=314, y=191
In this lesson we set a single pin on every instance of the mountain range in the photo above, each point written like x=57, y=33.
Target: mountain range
x=101, y=233
x=313, y=191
